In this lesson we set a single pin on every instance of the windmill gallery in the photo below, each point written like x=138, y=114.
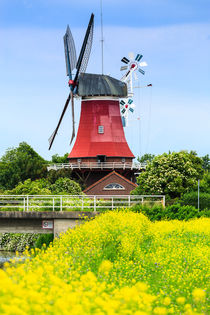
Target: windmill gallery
x=100, y=156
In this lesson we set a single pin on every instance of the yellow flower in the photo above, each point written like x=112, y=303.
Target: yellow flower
x=199, y=295
x=141, y=286
x=180, y=300
x=160, y=310
x=105, y=267
x=167, y=301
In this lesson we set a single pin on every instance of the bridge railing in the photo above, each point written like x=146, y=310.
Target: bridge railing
x=75, y=203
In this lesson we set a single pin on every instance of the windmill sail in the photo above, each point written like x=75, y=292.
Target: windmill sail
x=73, y=120
x=86, y=49
x=81, y=65
x=52, y=137
x=70, y=52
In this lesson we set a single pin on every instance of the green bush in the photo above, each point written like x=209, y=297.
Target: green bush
x=192, y=200
x=19, y=241
x=173, y=212
x=62, y=186
x=29, y=187
x=43, y=239
x=65, y=186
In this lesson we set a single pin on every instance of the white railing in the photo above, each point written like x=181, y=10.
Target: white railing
x=75, y=203
x=95, y=165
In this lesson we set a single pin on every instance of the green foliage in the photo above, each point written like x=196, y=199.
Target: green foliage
x=147, y=157
x=170, y=174
x=19, y=164
x=60, y=159
x=43, y=239
x=173, y=212
x=206, y=162
x=205, y=183
x=191, y=198
x=66, y=186
x=53, y=175
x=19, y=241
x=62, y=186
x=29, y=187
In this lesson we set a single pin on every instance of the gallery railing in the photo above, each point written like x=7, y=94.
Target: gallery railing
x=95, y=165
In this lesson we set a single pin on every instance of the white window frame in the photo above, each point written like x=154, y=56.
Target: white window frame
x=114, y=187
x=101, y=129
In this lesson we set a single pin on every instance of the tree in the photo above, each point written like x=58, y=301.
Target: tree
x=170, y=174
x=147, y=157
x=53, y=175
x=66, y=186
x=19, y=164
x=204, y=183
x=60, y=159
x=29, y=187
x=206, y=162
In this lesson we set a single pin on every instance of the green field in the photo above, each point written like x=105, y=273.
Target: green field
x=118, y=263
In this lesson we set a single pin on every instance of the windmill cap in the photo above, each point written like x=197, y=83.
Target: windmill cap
x=90, y=84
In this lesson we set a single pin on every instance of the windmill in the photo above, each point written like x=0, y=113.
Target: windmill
x=100, y=156
x=71, y=64
x=132, y=65
x=126, y=107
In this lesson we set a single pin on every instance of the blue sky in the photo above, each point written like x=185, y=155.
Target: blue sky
x=173, y=36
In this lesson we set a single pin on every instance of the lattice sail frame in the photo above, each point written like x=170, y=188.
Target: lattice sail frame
x=81, y=65
x=131, y=66
x=70, y=52
x=126, y=107
x=87, y=52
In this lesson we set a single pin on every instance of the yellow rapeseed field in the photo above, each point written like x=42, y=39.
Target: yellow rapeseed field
x=118, y=263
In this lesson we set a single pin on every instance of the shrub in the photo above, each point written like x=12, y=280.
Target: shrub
x=66, y=186
x=192, y=200
x=43, y=239
x=29, y=187
x=173, y=212
x=19, y=241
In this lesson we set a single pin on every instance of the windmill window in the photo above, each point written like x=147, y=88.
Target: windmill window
x=114, y=186
x=101, y=129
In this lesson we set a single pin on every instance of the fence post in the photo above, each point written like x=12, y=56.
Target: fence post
x=27, y=205
x=164, y=201
x=94, y=206
x=82, y=203
x=142, y=200
x=24, y=204
x=112, y=203
x=61, y=204
x=53, y=203
x=129, y=201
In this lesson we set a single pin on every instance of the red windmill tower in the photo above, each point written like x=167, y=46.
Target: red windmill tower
x=100, y=157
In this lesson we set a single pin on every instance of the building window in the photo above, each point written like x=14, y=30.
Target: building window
x=101, y=158
x=100, y=129
x=114, y=186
